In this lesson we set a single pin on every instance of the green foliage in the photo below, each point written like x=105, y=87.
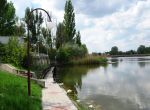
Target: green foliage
x=7, y=18
x=2, y=51
x=141, y=49
x=69, y=22
x=71, y=51
x=89, y=60
x=114, y=50
x=34, y=22
x=13, y=93
x=69, y=46
x=60, y=35
x=52, y=53
x=19, y=28
x=63, y=55
x=14, y=52
x=78, y=38
x=47, y=35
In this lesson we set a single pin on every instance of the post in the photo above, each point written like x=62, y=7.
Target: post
x=28, y=47
x=28, y=55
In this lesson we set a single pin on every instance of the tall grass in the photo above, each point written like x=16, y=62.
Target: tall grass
x=90, y=59
x=13, y=93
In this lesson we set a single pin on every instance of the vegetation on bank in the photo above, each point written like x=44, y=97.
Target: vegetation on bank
x=140, y=50
x=13, y=93
x=13, y=52
x=88, y=60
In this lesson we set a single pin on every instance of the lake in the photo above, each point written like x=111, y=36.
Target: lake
x=122, y=85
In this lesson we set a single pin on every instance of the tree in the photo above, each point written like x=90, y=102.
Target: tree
x=19, y=28
x=78, y=38
x=141, y=49
x=47, y=36
x=130, y=52
x=69, y=22
x=60, y=35
x=114, y=50
x=7, y=18
x=35, y=23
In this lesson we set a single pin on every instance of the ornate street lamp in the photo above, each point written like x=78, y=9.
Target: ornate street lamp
x=50, y=26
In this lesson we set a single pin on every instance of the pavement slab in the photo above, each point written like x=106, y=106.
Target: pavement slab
x=54, y=97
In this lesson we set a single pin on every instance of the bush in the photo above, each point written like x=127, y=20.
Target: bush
x=52, y=53
x=2, y=51
x=14, y=52
x=70, y=51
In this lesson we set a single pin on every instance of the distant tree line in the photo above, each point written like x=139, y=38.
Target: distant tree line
x=140, y=50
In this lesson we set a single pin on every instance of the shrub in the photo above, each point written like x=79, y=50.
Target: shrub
x=70, y=51
x=52, y=54
x=2, y=51
x=14, y=52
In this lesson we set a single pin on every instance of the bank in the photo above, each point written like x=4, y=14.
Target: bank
x=13, y=93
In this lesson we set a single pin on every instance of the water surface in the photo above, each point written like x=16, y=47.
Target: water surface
x=123, y=85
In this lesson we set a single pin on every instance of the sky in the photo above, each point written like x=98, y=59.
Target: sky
x=102, y=23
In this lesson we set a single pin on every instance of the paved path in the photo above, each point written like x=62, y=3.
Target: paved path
x=54, y=97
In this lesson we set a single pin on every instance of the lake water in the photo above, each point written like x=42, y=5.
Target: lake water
x=123, y=85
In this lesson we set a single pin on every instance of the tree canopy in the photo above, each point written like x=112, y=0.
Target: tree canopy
x=69, y=22
x=114, y=50
x=7, y=18
x=78, y=38
x=36, y=20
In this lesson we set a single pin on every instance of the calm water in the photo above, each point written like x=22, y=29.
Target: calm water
x=124, y=85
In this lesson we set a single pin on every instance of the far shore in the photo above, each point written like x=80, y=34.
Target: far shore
x=133, y=55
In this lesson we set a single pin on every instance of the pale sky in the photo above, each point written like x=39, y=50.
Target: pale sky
x=102, y=23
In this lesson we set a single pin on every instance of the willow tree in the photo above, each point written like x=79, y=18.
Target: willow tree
x=69, y=22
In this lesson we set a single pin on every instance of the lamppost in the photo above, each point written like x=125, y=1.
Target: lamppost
x=49, y=25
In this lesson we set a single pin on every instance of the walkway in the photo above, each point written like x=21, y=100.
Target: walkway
x=54, y=97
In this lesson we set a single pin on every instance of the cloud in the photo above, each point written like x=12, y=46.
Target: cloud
x=103, y=23
x=126, y=29
x=21, y=5
x=100, y=8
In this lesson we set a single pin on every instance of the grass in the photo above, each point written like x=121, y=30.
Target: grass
x=13, y=93
x=89, y=60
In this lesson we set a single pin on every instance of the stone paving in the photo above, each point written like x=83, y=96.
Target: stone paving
x=54, y=97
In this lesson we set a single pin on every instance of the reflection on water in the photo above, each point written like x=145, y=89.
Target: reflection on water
x=123, y=85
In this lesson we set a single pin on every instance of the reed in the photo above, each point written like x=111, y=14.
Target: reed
x=89, y=60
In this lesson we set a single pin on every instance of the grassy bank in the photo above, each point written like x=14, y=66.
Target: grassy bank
x=89, y=60
x=13, y=93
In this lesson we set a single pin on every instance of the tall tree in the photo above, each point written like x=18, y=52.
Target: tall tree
x=19, y=28
x=78, y=38
x=47, y=36
x=69, y=22
x=35, y=23
x=7, y=18
x=60, y=35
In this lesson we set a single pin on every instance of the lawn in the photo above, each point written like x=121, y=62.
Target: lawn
x=13, y=93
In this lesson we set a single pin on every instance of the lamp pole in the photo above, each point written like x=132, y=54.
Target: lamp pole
x=28, y=46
